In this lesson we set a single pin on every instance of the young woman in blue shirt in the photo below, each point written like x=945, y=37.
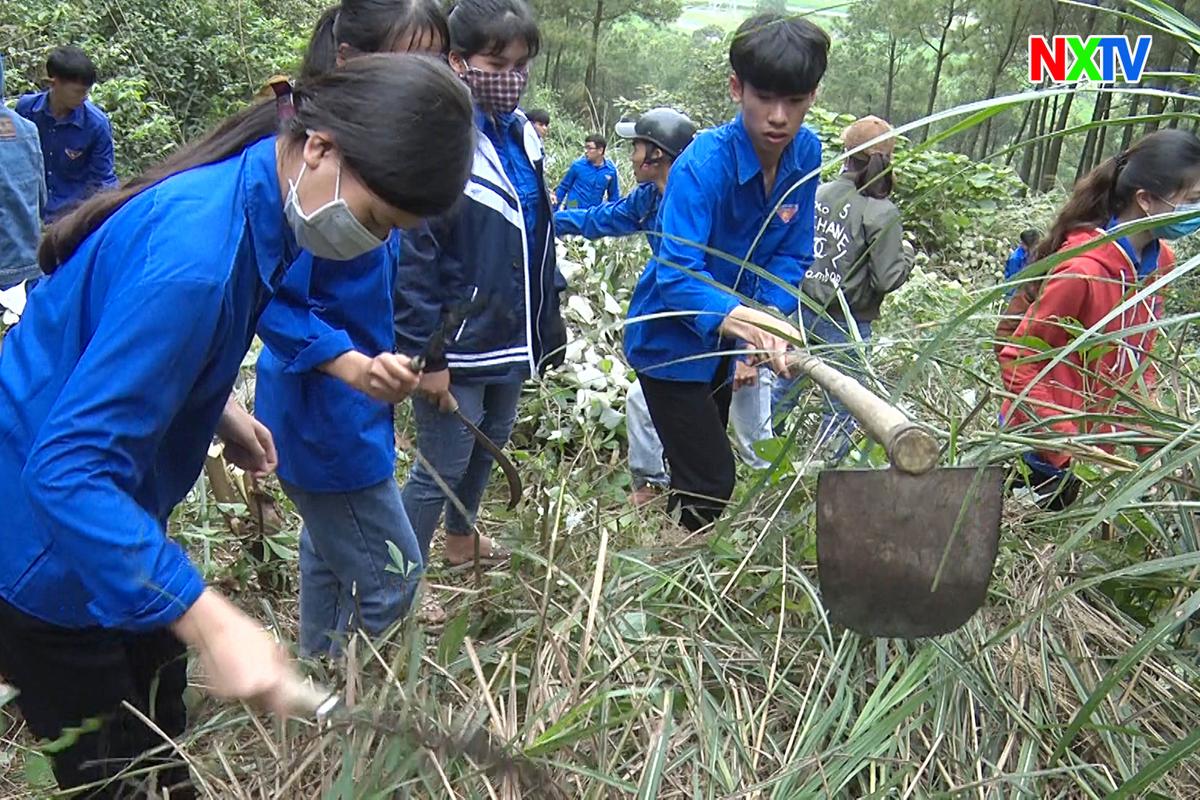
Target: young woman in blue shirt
x=325, y=385
x=492, y=259
x=115, y=381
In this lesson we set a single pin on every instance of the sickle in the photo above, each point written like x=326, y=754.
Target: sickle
x=435, y=347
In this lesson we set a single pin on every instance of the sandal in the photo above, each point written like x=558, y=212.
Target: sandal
x=430, y=614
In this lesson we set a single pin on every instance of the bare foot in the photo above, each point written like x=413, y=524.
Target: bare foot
x=644, y=495
x=460, y=550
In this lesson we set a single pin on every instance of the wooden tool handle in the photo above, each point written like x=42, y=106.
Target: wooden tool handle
x=910, y=447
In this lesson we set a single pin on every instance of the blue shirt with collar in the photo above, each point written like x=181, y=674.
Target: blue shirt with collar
x=330, y=437
x=636, y=211
x=506, y=132
x=586, y=185
x=714, y=209
x=112, y=385
x=1144, y=262
x=78, y=151
x=22, y=195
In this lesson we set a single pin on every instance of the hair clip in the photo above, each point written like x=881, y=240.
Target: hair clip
x=285, y=109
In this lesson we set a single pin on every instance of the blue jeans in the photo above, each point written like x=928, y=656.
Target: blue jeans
x=749, y=413
x=348, y=577
x=462, y=464
x=831, y=341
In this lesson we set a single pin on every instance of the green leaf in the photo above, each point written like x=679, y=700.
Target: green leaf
x=453, y=636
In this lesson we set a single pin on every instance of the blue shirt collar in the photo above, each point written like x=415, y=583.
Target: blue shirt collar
x=42, y=105
x=1145, y=262
x=746, y=157
x=274, y=244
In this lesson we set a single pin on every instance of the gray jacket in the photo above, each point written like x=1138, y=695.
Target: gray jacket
x=22, y=195
x=858, y=247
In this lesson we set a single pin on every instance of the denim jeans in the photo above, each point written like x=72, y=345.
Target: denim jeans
x=749, y=413
x=830, y=340
x=348, y=577
x=462, y=464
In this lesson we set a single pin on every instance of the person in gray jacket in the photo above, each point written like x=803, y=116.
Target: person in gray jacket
x=22, y=198
x=859, y=257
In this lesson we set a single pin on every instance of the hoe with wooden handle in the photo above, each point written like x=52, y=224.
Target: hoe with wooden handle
x=907, y=551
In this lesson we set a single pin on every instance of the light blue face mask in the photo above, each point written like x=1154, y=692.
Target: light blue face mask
x=1183, y=227
x=332, y=231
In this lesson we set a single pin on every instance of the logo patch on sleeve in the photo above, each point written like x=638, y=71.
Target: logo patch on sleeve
x=787, y=213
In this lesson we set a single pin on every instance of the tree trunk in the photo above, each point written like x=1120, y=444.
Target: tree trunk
x=1056, y=144
x=939, y=62
x=1156, y=105
x=891, y=78
x=1044, y=125
x=1099, y=112
x=546, y=70
x=589, y=76
x=1177, y=106
x=1101, y=139
x=1010, y=46
x=981, y=153
x=558, y=69
x=1012, y=153
x=1127, y=134
x=1026, y=168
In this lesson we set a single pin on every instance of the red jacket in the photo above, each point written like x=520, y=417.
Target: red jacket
x=1085, y=289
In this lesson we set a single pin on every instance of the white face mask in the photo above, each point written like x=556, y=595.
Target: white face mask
x=332, y=231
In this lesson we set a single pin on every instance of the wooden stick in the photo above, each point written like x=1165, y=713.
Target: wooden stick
x=910, y=447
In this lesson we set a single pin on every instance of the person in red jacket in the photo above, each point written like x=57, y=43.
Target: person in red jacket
x=1158, y=175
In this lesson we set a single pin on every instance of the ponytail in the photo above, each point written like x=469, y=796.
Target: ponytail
x=321, y=55
x=872, y=175
x=403, y=124
x=1161, y=163
x=374, y=26
x=229, y=138
x=1090, y=205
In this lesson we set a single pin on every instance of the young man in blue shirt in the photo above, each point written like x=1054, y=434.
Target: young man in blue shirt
x=591, y=179
x=77, y=144
x=737, y=225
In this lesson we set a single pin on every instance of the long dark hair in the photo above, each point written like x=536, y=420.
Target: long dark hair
x=487, y=26
x=370, y=26
x=402, y=123
x=1162, y=163
x=871, y=174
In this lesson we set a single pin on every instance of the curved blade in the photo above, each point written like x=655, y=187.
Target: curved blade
x=506, y=465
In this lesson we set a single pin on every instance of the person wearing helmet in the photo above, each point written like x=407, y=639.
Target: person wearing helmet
x=658, y=137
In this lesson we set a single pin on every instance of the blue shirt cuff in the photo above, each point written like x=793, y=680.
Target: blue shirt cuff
x=716, y=309
x=175, y=591
x=325, y=348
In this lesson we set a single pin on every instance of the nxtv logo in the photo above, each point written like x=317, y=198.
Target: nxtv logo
x=1066, y=59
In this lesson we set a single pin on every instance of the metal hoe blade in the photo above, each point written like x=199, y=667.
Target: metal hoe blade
x=907, y=556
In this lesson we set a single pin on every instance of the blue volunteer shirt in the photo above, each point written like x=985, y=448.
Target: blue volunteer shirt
x=586, y=185
x=716, y=199
x=112, y=385
x=636, y=211
x=78, y=151
x=506, y=132
x=330, y=436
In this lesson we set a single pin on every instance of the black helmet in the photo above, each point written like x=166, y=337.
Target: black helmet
x=667, y=128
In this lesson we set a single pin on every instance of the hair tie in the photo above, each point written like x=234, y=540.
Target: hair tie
x=1121, y=159
x=285, y=109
